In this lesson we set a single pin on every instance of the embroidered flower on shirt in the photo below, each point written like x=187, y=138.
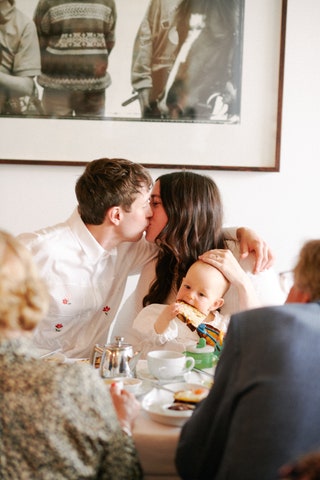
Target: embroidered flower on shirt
x=106, y=309
x=58, y=327
x=65, y=301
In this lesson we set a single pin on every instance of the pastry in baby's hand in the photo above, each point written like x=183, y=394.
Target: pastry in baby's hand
x=190, y=315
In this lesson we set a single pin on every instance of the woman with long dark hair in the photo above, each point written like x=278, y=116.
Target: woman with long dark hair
x=193, y=227
x=187, y=224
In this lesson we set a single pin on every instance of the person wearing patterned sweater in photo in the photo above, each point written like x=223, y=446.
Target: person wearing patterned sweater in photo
x=76, y=39
x=19, y=59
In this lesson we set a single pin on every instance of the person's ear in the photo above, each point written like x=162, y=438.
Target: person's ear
x=305, y=297
x=114, y=215
x=217, y=304
x=298, y=296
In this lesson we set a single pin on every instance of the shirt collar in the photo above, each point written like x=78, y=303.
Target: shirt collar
x=87, y=241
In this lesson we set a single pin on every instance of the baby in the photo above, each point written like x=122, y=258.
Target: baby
x=202, y=288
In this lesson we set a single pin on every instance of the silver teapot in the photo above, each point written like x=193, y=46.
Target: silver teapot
x=116, y=359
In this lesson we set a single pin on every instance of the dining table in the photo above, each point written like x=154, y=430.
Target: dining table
x=156, y=442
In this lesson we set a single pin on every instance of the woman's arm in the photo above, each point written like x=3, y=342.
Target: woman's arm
x=250, y=242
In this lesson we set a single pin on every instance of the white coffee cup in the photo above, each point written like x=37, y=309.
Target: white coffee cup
x=166, y=364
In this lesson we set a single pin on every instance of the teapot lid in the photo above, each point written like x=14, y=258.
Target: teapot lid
x=119, y=344
x=200, y=347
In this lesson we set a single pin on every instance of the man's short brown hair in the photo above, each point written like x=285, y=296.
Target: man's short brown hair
x=109, y=182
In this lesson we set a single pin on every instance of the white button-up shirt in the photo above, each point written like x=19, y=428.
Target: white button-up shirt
x=86, y=284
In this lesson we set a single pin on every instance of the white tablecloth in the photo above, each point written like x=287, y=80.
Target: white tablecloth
x=156, y=444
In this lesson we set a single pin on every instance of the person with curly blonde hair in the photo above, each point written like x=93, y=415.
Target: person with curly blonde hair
x=58, y=420
x=23, y=297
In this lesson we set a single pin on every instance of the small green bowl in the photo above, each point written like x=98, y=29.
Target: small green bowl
x=202, y=353
x=201, y=360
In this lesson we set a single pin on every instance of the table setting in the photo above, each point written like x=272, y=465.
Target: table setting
x=168, y=372
x=157, y=428
x=167, y=383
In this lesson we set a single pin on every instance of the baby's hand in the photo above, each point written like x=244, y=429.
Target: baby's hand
x=172, y=310
x=164, y=319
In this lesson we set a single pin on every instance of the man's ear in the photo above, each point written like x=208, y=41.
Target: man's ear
x=217, y=304
x=298, y=296
x=305, y=297
x=114, y=215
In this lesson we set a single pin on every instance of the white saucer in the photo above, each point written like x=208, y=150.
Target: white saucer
x=143, y=373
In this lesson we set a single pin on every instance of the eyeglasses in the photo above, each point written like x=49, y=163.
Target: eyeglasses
x=286, y=280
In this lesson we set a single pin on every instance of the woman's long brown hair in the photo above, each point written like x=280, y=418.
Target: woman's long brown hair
x=193, y=205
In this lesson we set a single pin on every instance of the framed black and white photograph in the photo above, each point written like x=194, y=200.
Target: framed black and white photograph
x=191, y=84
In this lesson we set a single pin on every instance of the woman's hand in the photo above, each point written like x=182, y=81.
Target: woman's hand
x=226, y=262
x=126, y=406
x=250, y=242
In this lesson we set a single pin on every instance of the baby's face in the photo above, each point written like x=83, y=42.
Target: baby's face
x=202, y=287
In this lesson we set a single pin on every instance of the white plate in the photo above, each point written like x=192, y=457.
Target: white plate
x=160, y=414
x=157, y=401
x=144, y=388
x=134, y=385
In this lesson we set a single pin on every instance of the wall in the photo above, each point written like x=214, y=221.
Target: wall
x=282, y=206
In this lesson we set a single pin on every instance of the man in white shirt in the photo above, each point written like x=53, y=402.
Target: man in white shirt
x=86, y=260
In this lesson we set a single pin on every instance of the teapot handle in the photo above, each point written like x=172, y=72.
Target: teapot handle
x=95, y=353
x=133, y=362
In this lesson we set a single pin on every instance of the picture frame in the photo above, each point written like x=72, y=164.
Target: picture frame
x=253, y=144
